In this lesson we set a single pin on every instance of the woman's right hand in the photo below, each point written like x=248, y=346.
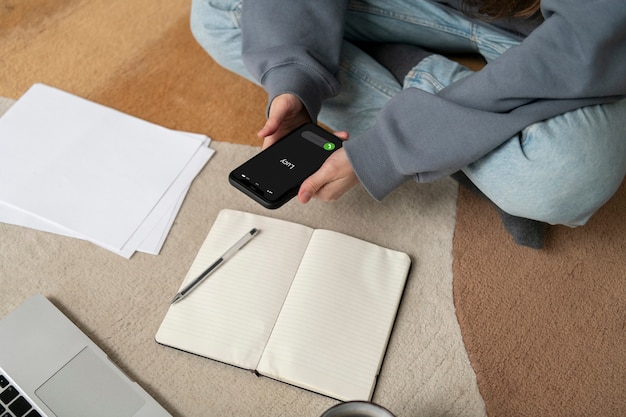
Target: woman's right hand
x=286, y=114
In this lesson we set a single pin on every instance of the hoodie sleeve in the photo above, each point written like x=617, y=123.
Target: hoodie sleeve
x=294, y=46
x=575, y=58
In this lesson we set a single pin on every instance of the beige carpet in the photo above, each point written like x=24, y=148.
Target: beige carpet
x=545, y=331
x=121, y=303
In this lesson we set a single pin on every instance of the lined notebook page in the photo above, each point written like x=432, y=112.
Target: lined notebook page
x=334, y=327
x=230, y=315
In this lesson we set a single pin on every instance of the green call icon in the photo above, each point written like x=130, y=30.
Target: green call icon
x=318, y=140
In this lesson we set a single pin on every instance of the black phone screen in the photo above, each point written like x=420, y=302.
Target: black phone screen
x=274, y=176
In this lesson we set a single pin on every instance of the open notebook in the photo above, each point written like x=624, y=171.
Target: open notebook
x=310, y=307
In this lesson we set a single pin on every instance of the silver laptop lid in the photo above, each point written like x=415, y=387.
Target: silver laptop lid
x=61, y=371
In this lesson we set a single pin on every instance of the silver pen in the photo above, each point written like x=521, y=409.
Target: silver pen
x=204, y=275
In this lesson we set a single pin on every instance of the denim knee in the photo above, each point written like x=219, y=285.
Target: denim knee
x=560, y=171
x=216, y=26
x=566, y=201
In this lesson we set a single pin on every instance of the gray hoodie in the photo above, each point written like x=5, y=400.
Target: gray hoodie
x=575, y=57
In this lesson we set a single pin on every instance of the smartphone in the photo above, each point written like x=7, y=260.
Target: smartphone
x=274, y=175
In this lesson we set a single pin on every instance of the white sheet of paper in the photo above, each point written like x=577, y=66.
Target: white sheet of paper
x=154, y=241
x=93, y=171
x=168, y=203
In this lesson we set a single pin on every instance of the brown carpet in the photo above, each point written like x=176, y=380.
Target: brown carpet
x=545, y=330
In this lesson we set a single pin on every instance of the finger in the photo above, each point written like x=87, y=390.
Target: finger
x=269, y=141
x=308, y=189
x=328, y=173
x=279, y=111
x=342, y=134
x=270, y=127
x=331, y=181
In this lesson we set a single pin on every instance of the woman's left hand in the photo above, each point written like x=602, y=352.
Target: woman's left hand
x=334, y=178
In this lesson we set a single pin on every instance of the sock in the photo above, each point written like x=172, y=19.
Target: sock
x=525, y=232
x=398, y=58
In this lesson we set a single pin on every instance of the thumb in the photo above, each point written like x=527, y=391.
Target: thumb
x=308, y=189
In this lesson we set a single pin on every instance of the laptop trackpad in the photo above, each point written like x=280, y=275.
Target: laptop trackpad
x=87, y=386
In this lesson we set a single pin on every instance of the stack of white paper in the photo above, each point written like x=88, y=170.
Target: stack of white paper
x=77, y=168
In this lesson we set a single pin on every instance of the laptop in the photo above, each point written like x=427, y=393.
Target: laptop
x=49, y=367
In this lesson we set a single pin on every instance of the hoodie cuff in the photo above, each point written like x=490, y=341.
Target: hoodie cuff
x=311, y=89
x=373, y=164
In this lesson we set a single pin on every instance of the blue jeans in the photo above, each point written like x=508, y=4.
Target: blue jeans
x=559, y=171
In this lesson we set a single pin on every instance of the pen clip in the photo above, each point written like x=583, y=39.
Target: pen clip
x=240, y=243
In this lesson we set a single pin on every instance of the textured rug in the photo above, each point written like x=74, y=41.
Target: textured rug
x=121, y=303
x=544, y=331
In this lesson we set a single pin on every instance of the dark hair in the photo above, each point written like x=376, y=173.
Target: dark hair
x=499, y=9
